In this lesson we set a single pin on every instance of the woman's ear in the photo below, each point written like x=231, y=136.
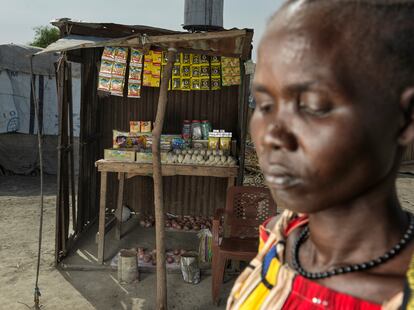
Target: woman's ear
x=406, y=136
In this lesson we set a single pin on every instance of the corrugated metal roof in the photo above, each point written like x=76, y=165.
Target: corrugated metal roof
x=235, y=43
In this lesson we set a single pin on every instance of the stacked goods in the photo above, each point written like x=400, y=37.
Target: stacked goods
x=189, y=72
x=185, y=223
x=152, y=69
x=147, y=257
x=230, y=71
x=200, y=157
x=112, y=70
x=135, y=73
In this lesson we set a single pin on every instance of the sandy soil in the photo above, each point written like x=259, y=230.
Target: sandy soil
x=19, y=213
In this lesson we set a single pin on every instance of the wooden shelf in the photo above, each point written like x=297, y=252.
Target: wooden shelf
x=135, y=169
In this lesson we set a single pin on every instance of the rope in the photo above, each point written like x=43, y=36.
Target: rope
x=39, y=140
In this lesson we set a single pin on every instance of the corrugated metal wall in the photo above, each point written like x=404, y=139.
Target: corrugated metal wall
x=100, y=115
x=409, y=154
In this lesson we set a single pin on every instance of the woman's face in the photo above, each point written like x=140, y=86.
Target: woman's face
x=322, y=132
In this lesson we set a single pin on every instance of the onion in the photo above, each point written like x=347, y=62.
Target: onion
x=170, y=259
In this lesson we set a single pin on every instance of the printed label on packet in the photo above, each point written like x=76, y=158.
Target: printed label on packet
x=135, y=73
x=104, y=83
x=121, y=54
x=185, y=84
x=106, y=66
x=119, y=69
x=117, y=86
x=134, y=90
x=108, y=53
x=136, y=57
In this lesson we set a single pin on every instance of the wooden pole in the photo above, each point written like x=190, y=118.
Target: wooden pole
x=158, y=189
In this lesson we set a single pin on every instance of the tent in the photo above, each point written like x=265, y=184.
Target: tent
x=18, y=125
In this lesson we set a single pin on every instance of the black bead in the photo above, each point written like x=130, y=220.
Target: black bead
x=403, y=241
x=355, y=267
x=371, y=263
x=340, y=270
x=348, y=269
x=363, y=266
x=392, y=252
x=386, y=256
x=325, y=274
x=397, y=247
x=378, y=260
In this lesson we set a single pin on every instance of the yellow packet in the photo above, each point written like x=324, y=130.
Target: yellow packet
x=176, y=71
x=215, y=60
x=195, y=71
x=155, y=81
x=176, y=83
x=204, y=59
x=147, y=79
x=186, y=84
x=205, y=83
x=215, y=83
x=156, y=68
x=185, y=59
x=215, y=71
x=195, y=59
x=195, y=84
x=185, y=71
x=205, y=70
x=156, y=57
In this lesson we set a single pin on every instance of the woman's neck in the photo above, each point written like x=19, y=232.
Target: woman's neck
x=357, y=231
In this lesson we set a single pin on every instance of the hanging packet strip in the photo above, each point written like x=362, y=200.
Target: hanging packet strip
x=117, y=86
x=136, y=57
x=108, y=53
x=104, y=83
x=135, y=73
x=230, y=71
x=119, y=69
x=134, y=90
x=121, y=54
x=106, y=67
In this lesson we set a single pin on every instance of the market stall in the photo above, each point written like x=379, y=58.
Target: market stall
x=196, y=146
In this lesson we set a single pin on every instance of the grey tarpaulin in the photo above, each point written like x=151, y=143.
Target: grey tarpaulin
x=18, y=125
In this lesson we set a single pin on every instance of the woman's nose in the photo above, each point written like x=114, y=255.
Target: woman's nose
x=277, y=136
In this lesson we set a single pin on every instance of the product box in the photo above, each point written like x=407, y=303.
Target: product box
x=146, y=157
x=119, y=155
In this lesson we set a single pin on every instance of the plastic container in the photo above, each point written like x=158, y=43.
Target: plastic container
x=186, y=132
x=205, y=129
x=196, y=133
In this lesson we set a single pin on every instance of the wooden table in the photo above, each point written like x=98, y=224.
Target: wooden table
x=126, y=170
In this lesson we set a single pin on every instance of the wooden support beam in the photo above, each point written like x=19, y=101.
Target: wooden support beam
x=118, y=227
x=102, y=207
x=161, y=302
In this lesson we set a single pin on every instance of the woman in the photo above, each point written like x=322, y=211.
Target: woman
x=334, y=92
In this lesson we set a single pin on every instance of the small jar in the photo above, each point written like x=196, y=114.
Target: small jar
x=186, y=132
x=196, y=133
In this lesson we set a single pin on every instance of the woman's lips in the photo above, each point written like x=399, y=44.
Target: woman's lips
x=280, y=177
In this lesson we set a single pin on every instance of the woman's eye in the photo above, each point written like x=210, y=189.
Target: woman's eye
x=312, y=105
x=265, y=107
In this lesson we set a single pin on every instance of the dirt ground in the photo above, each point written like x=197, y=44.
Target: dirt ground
x=19, y=214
